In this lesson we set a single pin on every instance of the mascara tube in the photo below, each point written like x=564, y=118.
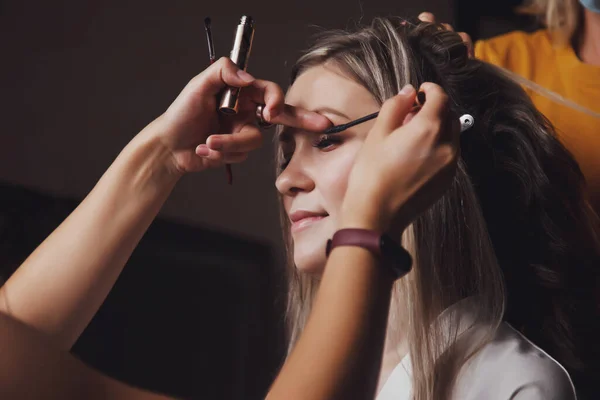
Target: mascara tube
x=240, y=54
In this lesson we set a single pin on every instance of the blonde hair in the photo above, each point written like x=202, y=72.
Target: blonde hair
x=515, y=216
x=561, y=17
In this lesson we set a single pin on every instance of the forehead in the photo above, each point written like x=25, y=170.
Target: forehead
x=326, y=86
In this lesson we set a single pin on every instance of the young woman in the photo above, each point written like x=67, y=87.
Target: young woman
x=510, y=240
x=508, y=256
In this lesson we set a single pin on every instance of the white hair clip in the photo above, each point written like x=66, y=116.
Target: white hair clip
x=466, y=122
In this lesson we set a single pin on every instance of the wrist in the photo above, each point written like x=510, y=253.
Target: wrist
x=357, y=215
x=150, y=162
x=390, y=254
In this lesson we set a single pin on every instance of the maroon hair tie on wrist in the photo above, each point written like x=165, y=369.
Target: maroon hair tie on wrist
x=393, y=256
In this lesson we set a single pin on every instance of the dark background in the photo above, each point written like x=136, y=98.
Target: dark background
x=197, y=311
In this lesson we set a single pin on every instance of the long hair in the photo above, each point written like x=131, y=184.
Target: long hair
x=513, y=231
x=561, y=17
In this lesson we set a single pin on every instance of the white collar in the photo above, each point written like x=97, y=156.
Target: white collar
x=398, y=385
x=504, y=367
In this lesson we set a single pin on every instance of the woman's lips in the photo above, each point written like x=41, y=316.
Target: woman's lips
x=306, y=222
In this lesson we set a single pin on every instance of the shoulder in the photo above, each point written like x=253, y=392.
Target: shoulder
x=512, y=367
x=514, y=48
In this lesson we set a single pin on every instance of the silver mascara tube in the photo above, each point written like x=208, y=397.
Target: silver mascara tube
x=240, y=54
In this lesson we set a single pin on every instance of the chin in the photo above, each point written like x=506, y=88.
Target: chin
x=309, y=248
x=311, y=264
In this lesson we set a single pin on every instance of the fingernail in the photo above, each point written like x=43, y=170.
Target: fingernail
x=407, y=89
x=425, y=86
x=202, y=150
x=245, y=76
x=266, y=114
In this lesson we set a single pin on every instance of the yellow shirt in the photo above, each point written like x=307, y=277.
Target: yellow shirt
x=558, y=69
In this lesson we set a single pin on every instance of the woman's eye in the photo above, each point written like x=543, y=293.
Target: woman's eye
x=326, y=141
x=323, y=142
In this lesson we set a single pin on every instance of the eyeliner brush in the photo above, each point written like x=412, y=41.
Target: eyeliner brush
x=209, y=40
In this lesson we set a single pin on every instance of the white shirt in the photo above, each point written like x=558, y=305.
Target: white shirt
x=510, y=367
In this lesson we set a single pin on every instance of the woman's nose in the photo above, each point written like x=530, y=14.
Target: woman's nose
x=294, y=179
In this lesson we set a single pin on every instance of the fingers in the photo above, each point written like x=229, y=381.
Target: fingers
x=268, y=93
x=247, y=139
x=216, y=158
x=225, y=73
x=434, y=116
x=427, y=17
x=277, y=112
x=469, y=42
x=395, y=110
x=447, y=27
x=300, y=118
x=230, y=148
x=221, y=74
x=271, y=95
x=436, y=106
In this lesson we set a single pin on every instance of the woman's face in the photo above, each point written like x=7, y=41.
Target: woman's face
x=315, y=177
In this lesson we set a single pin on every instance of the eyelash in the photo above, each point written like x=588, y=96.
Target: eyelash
x=325, y=141
x=322, y=142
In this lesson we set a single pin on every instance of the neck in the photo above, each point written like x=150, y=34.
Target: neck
x=589, y=42
x=396, y=347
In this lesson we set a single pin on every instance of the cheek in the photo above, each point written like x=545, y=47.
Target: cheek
x=335, y=180
x=287, y=204
x=331, y=182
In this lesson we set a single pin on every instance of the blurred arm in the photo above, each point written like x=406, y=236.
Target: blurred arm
x=61, y=285
x=31, y=368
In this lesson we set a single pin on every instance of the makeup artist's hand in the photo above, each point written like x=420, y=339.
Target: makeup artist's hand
x=406, y=163
x=200, y=137
x=429, y=17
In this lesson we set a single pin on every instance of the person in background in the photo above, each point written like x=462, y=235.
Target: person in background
x=559, y=67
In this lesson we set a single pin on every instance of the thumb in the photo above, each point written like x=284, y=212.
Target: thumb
x=394, y=110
